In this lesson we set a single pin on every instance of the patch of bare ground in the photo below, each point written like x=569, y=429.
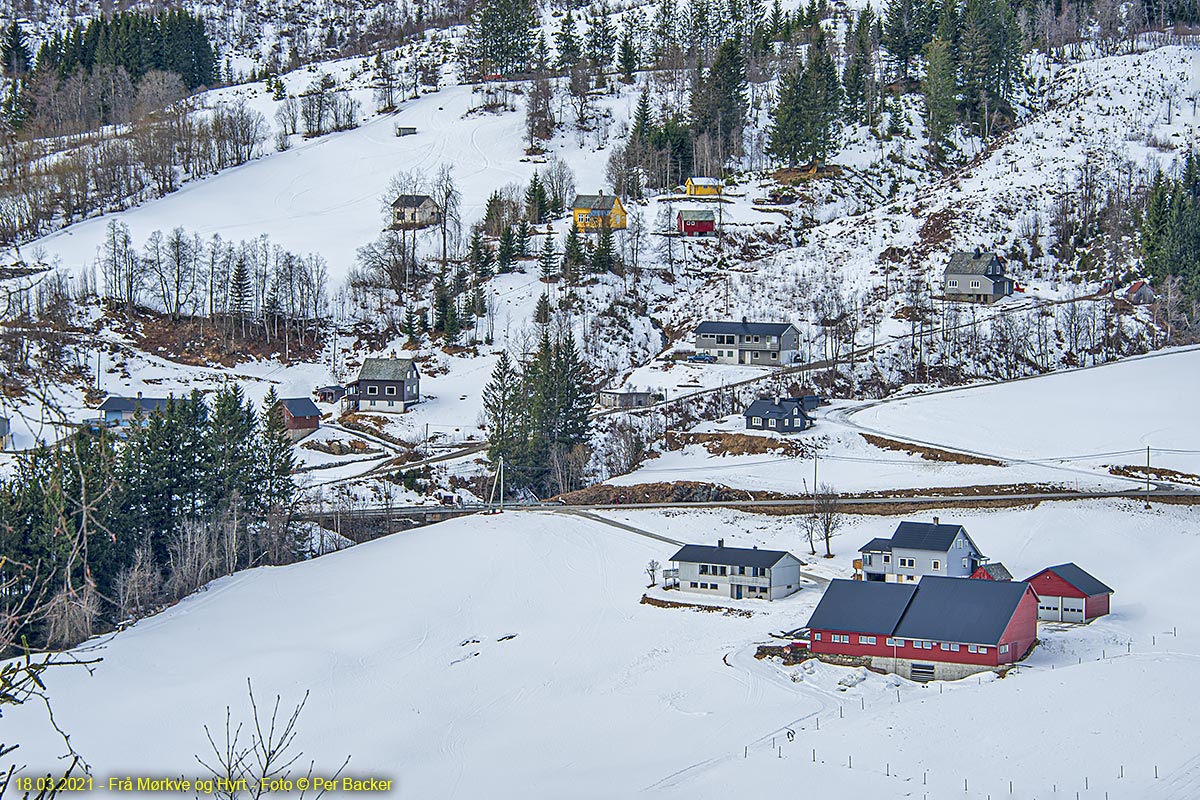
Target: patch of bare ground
x=338, y=447
x=647, y=600
x=1155, y=473
x=675, y=492
x=935, y=232
x=737, y=444
x=930, y=453
x=200, y=342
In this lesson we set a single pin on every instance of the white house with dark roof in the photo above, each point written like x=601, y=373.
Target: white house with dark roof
x=734, y=572
x=976, y=277
x=764, y=343
x=415, y=211
x=384, y=384
x=921, y=548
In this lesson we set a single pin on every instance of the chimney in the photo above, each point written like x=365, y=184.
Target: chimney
x=776, y=399
x=978, y=252
x=391, y=353
x=935, y=521
x=139, y=395
x=744, y=320
x=720, y=542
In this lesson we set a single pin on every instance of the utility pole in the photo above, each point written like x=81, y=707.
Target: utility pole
x=814, y=484
x=501, y=484
x=1147, y=477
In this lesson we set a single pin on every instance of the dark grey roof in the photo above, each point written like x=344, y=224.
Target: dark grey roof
x=972, y=263
x=767, y=407
x=730, y=556
x=411, y=200
x=689, y=215
x=1077, y=577
x=300, y=407
x=127, y=405
x=960, y=610
x=997, y=571
x=745, y=328
x=385, y=369
x=877, y=545
x=926, y=536
x=595, y=202
x=862, y=606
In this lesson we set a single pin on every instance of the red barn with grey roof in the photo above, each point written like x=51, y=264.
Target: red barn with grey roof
x=1067, y=593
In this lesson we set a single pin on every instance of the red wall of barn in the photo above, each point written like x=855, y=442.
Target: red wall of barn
x=1095, y=606
x=991, y=658
x=1048, y=584
x=1022, y=628
x=981, y=574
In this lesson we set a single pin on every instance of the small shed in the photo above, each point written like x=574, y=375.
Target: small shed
x=696, y=223
x=992, y=572
x=301, y=416
x=1139, y=293
x=405, y=130
x=613, y=398
x=331, y=394
x=1067, y=593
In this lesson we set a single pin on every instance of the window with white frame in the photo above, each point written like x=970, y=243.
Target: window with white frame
x=770, y=423
x=953, y=283
x=907, y=562
x=974, y=284
x=887, y=559
x=890, y=642
x=757, y=420
x=372, y=390
x=936, y=565
x=964, y=562
x=1003, y=648
x=866, y=640
x=945, y=646
x=817, y=636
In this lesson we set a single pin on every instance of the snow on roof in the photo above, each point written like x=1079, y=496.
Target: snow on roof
x=704, y=181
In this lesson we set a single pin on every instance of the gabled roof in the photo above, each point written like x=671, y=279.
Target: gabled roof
x=862, y=606
x=997, y=571
x=300, y=407
x=877, y=545
x=127, y=405
x=972, y=263
x=959, y=610
x=385, y=369
x=704, y=181
x=927, y=536
x=1077, y=577
x=595, y=202
x=411, y=200
x=744, y=328
x=691, y=215
x=767, y=407
x=729, y=556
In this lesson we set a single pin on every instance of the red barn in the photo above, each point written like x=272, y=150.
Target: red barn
x=1067, y=593
x=940, y=628
x=695, y=223
x=992, y=572
x=301, y=416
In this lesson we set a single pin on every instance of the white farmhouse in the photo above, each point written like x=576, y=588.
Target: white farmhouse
x=734, y=572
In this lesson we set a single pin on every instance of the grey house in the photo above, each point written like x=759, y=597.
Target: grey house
x=782, y=414
x=415, y=211
x=921, y=548
x=976, y=277
x=117, y=412
x=384, y=384
x=763, y=343
x=734, y=572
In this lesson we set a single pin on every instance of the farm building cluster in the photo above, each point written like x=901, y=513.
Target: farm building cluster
x=925, y=603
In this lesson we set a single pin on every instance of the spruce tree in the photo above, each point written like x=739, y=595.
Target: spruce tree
x=276, y=460
x=14, y=52
x=941, y=96
x=601, y=38
x=548, y=260
x=604, y=256
x=506, y=252
x=500, y=38
x=479, y=257
x=504, y=412
x=541, y=313
x=566, y=42
x=628, y=59
x=904, y=34
x=521, y=239
x=537, y=203
x=573, y=254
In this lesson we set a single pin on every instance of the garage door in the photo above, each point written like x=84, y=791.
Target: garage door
x=922, y=673
x=1072, y=609
x=1050, y=608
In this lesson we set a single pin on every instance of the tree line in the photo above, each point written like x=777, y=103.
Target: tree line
x=104, y=528
x=1171, y=230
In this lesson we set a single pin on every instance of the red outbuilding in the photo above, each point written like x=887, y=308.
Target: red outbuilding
x=301, y=416
x=696, y=223
x=940, y=628
x=992, y=572
x=1067, y=593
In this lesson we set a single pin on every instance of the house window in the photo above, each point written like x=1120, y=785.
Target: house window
x=982, y=649
x=720, y=570
x=936, y=565
x=890, y=642
x=771, y=423
x=693, y=584
x=945, y=646
x=953, y=283
x=774, y=354
x=974, y=284
x=817, y=636
x=972, y=648
x=741, y=570
x=704, y=569
x=389, y=390
x=907, y=563
x=866, y=640
x=868, y=559
x=887, y=559
x=757, y=420
x=954, y=648
x=964, y=563
x=1003, y=648
x=372, y=390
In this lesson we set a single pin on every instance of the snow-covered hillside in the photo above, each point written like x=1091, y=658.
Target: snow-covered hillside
x=523, y=664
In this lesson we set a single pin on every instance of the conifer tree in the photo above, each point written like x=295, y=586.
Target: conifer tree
x=566, y=42
x=604, y=256
x=521, y=239
x=506, y=252
x=573, y=254
x=548, y=260
x=500, y=38
x=276, y=459
x=601, y=38
x=905, y=32
x=537, y=203
x=14, y=52
x=941, y=96
x=541, y=313
x=628, y=59
x=504, y=411
x=479, y=257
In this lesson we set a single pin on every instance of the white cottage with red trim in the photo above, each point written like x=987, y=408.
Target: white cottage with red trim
x=937, y=629
x=1067, y=593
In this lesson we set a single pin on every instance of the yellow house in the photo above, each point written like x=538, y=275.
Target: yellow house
x=594, y=211
x=699, y=187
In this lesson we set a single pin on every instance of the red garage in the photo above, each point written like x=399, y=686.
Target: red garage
x=696, y=223
x=1067, y=593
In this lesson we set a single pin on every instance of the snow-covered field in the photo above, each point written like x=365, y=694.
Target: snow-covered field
x=509, y=657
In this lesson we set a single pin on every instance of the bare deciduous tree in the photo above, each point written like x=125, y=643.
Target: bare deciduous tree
x=652, y=571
